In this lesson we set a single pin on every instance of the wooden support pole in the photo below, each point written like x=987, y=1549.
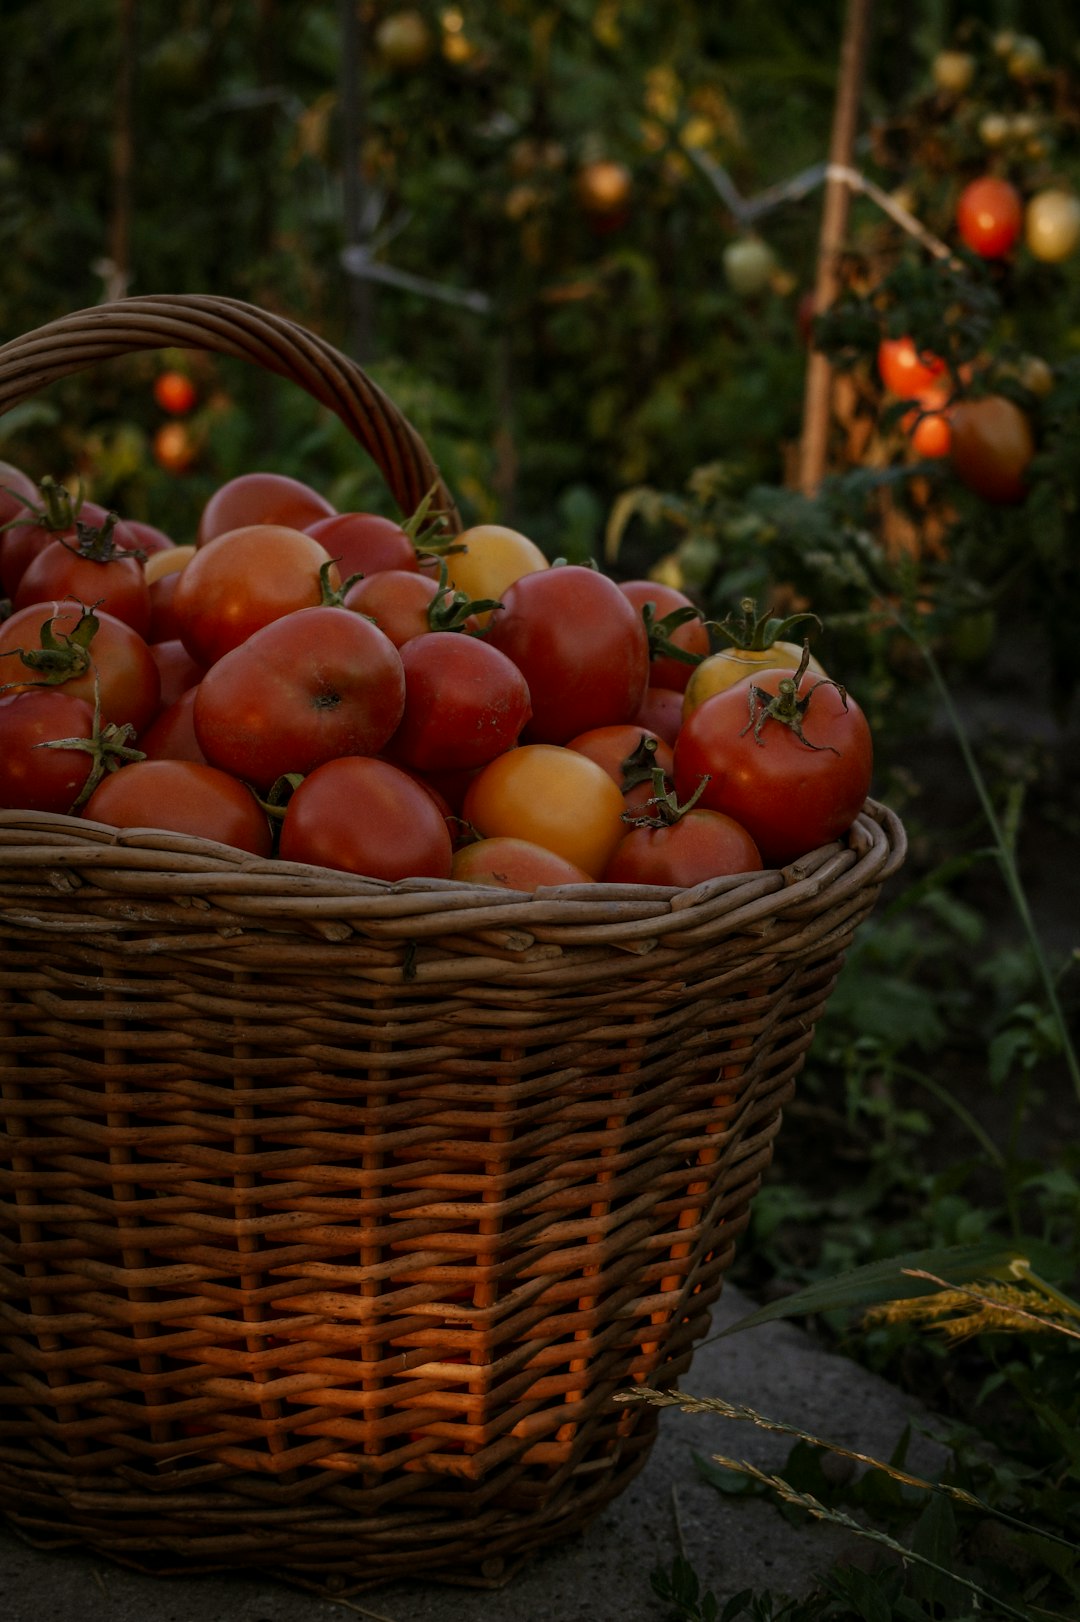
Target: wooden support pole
x=813, y=448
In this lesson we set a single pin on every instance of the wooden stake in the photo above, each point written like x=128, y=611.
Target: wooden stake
x=813, y=448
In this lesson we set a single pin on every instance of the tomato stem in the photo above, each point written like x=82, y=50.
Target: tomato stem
x=754, y=632
x=787, y=707
x=110, y=746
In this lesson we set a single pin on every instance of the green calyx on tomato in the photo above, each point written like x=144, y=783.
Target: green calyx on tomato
x=452, y=610
x=429, y=531
x=59, y=658
x=661, y=631
x=664, y=805
x=109, y=747
x=59, y=510
x=755, y=633
x=786, y=707
x=98, y=542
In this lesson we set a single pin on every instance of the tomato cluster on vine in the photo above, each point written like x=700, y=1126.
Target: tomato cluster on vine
x=404, y=702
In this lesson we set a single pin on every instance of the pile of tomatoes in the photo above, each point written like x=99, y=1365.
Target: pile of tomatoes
x=401, y=702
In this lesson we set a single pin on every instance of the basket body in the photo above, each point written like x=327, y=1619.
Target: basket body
x=334, y=1213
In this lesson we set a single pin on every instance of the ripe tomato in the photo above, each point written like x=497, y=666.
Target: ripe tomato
x=175, y=392
x=365, y=543
x=17, y=491
x=906, y=371
x=166, y=561
x=990, y=216
x=400, y=835
x=171, y=734
x=173, y=448
x=603, y=186
x=992, y=447
x=623, y=753
x=261, y=498
x=552, y=797
x=312, y=685
x=732, y=666
x=691, y=637
x=53, y=514
x=177, y=669
x=95, y=569
x=34, y=778
x=514, y=864
x=400, y=603
x=700, y=845
x=465, y=702
x=243, y=580
x=492, y=559
x=661, y=712
x=791, y=793
x=581, y=646
x=68, y=644
x=185, y=798
x=930, y=427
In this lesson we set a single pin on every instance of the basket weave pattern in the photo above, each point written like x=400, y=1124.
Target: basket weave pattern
x=333, y=1213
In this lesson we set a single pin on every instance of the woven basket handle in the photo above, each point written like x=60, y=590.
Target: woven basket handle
x=227, y=326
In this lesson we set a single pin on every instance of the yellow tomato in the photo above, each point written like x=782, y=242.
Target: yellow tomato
x=167, y=562
x=494, y=557
x=552, y=797
x=731, y=665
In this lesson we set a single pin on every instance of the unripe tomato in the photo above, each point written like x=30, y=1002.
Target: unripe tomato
x=953, y=71
x=749, y=264
x=159, y=564
x=552, y=797
x=1052, y=225
x=992, y=446
x=731, y=666
x=175, y=393
x=403, y=40
x=990, y=216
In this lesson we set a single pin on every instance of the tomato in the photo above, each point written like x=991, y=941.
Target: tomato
x=400, y=835
x=243, y=580
x=1052, y=225
x=94, y=568
x=493, y=557
x=32, y=777
x=749, y=266
x=990, y=216
x=312, y=685
x=661, y=712
x=171, y=734
x=165, y=562
x=906, y=371
x=992, y=447
x=581, y=646
x=603, y=186
x=552, y=797
x=790, y=792
x=174, y=392
x=68, y=643
x=403, y=39
x=514, y=864
x=261, y=498
x=173, y=447
x=732, y=666
x=400, y=602
x=18, y=494
x=465, y=702
x=365, y=543
x=953, y=71
x=52, y=515
x=150, y=539
x=691, y=637
x=182, y=797
x=624, y=754
x=700, y=845
x=930, y=427
x=177, y=669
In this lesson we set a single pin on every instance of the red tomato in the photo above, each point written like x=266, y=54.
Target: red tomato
x=93, y=569
x=81, y=643
x=261, y=498
x=552, y=797
x=465, y=703
x=400, y=835
x=790, y=793
x=177, y=669
x=242, y=581
x=173, y=447
x=18, y=494
x=315, y=684
x=365, y=543
x=661, y=712
x=165, y=624
x=581, y=646
x=700, y=845
x=171, y=734
x=621, y=751
x=990, y=216
x=183, y=797
x=175, y=392
x=992, y=447
x=514, y=864
x=34, y=778
x=692, y=637
x=52, y=515
x=398, y=600
x=930, y=427
x=906, y=371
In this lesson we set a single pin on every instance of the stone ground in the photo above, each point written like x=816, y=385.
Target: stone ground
x=602, y=1575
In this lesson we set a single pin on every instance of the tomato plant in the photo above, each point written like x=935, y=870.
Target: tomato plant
x=581, y=646
x=552, y=797
x=514, y=864
x=400, y=835
x=789, y=756
x=465, y=703
x=185, y=797
x=243, y=580
x=990, y=216
x=992, y=447
x=261, y=498
x=309, y=686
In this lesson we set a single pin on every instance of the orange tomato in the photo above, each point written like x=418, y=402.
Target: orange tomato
x=906, y=371
x=552, y=797
x=492, y=559
x=732, y=665
x=175, y=393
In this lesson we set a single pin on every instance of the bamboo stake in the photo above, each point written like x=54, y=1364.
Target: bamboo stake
x=813, y=449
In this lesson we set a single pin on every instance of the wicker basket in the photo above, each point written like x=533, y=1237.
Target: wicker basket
x=334, y=1212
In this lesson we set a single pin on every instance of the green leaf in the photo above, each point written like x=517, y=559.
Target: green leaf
x=935, y=1538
